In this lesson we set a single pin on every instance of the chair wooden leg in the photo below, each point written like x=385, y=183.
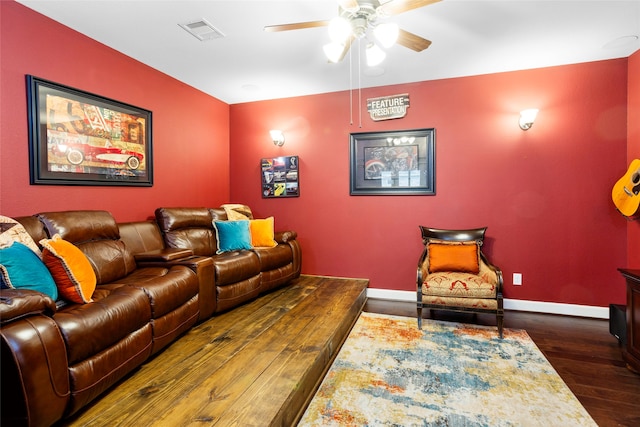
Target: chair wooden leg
x=419, y=316
x=500, y=322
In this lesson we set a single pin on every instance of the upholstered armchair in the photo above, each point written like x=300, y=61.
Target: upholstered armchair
x=454, y=274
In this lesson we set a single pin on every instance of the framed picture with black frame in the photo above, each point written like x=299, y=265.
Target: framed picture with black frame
x=78, y=138
x=393, y=163
x=280, y=177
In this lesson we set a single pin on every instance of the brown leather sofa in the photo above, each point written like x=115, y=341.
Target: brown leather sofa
x=57, y=357
x=239, y=275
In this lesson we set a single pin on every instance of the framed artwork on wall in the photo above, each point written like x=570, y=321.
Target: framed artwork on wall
x=280, y=177
x=78, y=138
x=393, y=163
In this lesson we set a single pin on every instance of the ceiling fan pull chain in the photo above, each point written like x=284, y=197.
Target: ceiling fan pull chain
x=359, y=82
x=350, y=88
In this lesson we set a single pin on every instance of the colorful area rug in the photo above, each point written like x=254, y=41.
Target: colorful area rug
x=389, y=373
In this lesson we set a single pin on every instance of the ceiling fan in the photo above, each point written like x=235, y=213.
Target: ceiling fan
x=355, y=19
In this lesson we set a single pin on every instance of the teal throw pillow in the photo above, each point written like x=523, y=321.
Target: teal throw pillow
x=232, y=235
x=21, y=268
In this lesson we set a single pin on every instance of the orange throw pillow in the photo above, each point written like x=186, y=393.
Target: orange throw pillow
x=453, y=257
x=262, y=234
x=70, y=269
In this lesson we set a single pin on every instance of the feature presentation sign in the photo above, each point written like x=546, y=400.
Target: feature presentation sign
x=388, y=107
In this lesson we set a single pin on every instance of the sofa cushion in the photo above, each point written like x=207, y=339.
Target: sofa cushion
x=141, y=236
x=218, y=214
x=70, y=269
x=175, y=218
x=234, y=267
x=202, y=241
x=262, y=234
x=93, y=376
x=80, y=226
x=95, y=233
x=166, y=288
x=13, y=231
x=462, y=257
x=234, y=294
x=276, y=257
x=236, y=211
x=189, y=228
x=88, y=329
x=173, y=295
x=232, y=235
x=21, y=268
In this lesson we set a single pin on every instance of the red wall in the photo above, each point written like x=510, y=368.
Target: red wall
x=190, y=128
x=633, y=151
x=545, y=194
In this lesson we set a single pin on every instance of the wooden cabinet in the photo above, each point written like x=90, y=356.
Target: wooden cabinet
x=631, y=353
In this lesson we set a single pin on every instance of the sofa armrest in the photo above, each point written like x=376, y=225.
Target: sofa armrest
x=18, y=303
x=285, y=236
x=35, y=376
x=203, y=267
x=167, y=254
x=207, y=298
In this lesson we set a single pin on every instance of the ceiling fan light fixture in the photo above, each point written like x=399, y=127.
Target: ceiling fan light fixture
x=375, y=55
x=333, y=51
x=339, y=29
x=386, y=34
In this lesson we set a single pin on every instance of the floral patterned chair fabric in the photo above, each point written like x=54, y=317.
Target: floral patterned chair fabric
x=454, y=274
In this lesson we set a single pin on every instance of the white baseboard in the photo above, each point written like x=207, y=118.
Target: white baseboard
x=509, y=304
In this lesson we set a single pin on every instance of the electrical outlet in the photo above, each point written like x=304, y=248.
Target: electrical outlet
x=517, y=279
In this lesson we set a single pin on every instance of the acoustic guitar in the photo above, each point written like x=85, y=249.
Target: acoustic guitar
x=626, y=192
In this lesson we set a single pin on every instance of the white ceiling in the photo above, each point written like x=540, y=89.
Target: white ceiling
x=470, y=37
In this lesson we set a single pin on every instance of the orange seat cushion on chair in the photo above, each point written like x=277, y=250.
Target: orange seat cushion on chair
x=461, y=257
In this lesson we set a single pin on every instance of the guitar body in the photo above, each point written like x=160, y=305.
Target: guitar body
x=626, y=192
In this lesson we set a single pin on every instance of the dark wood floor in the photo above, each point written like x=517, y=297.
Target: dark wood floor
x=581, y=350
x=260, y=363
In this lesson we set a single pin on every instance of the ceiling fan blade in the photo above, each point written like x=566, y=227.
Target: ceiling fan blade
x=412, y=41
x=395, y=7
x=295, y=26
x=348, y=4
x=347, y=46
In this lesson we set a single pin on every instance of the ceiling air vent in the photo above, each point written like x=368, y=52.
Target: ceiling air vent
x=202, y=30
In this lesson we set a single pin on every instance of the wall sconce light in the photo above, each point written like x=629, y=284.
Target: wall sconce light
x=277, y=137
x=527, y=117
